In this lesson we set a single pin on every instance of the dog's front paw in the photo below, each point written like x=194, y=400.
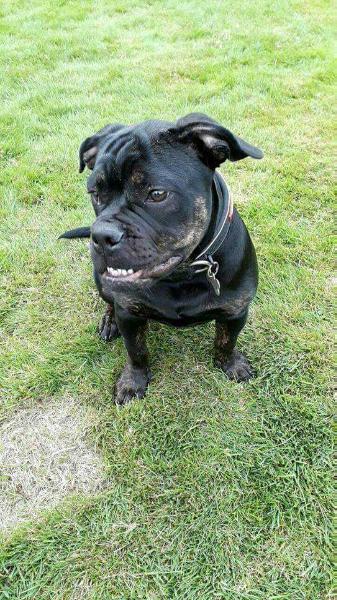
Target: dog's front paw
x=236, y=367
x=131, y=384
x=107, y=328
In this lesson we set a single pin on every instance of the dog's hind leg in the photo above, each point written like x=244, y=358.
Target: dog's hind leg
x=107, y=329
x=232, y=362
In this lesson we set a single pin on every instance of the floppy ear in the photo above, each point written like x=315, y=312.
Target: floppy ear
x=89, y=148
x=213, y=143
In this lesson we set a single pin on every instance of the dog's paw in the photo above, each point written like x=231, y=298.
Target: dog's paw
x=131, y=384
x=107, y=329
x=236, y=367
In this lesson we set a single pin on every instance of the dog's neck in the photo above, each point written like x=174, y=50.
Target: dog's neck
x=222, y=212
x=221, y=217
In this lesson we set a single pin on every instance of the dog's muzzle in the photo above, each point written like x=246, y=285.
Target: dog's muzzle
x=105, y=235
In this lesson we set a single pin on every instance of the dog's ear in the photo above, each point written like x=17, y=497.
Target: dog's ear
x=90, y=146
x=213, y=143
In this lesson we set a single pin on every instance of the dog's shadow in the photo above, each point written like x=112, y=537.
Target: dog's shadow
x=184, y=346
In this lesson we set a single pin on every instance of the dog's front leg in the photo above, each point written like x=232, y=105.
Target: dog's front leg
x=226, y=356
x=107, y=328
x=136, y=374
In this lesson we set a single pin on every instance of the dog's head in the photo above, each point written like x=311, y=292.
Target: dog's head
x=151, y=189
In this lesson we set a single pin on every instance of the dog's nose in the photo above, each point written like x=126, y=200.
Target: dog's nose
x=105, y=235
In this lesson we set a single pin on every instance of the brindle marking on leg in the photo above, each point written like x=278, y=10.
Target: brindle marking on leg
x=232, y=362
x=107, y=328
x=140, y=338
x=221, y=341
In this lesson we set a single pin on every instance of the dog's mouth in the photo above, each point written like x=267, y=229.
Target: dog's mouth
x=115, y=275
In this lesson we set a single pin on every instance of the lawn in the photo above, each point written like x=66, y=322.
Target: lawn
x=213, y=490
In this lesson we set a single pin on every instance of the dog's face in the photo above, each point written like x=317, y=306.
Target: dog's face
x=151, y=191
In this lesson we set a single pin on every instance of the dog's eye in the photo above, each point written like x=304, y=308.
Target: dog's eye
x=157, y=195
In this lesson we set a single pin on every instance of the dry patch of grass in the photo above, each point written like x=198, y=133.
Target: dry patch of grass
x=45, y=456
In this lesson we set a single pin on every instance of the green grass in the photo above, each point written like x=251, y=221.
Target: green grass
x=216, y=490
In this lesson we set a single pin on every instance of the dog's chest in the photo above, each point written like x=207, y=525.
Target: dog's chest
x=171, y=303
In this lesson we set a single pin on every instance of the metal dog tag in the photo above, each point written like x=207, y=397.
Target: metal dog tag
x=211, y=267
x=211, y=276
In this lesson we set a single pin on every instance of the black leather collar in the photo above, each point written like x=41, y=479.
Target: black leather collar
x=224, y=213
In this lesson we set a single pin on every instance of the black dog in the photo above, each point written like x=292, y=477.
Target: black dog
x=167, y=243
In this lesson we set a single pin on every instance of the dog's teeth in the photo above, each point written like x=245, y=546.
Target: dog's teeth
x=119, y=272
